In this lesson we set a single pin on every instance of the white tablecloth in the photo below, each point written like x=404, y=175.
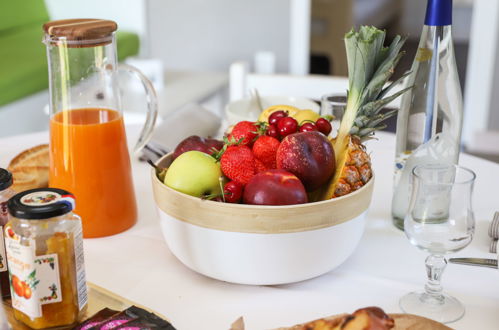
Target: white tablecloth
x=138, y=265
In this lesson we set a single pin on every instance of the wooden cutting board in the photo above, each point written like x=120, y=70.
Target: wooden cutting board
x=402, y=322
x=98, y=298
x=414, y=322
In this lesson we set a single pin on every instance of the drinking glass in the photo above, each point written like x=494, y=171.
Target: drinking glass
x=440, y=220
x=333, y=105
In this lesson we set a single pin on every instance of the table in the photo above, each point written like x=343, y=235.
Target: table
x=138, y=265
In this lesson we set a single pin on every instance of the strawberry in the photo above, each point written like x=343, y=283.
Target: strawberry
x=259, y=166
x=265, y=149
x=247, y=131
x=238, y=163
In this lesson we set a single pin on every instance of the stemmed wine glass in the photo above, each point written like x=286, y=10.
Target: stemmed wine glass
x=440, y=220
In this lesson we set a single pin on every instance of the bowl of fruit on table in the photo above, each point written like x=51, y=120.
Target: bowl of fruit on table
x=281, y=199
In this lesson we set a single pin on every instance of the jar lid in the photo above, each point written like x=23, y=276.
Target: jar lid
x=41, y=203
x=5, y=179
x=80, y=32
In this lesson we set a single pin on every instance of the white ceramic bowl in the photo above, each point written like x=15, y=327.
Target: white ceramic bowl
x=237, y=111
x=260, y=245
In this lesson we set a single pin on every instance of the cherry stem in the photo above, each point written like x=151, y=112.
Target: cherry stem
x=220, y=181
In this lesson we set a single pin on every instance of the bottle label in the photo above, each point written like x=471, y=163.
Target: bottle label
x=424, y=54
x=35, y=280
x=4, y=217
x=81, y=280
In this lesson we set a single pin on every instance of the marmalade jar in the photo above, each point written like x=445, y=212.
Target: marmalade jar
x=45, y=256
x=5, y=194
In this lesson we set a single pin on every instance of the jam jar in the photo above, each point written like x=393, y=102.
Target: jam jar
x=5, y=194
x=44, y=246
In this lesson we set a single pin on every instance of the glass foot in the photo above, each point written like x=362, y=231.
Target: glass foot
x=444, y=309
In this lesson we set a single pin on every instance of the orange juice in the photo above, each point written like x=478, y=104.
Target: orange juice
x=89, y=158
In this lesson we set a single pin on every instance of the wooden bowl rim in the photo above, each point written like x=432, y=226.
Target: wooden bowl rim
x=157, y=181
x=261, y=219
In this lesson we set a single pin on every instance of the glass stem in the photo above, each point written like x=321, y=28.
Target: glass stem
x=435, y=265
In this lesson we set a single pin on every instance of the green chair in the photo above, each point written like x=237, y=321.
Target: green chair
x=23, y=62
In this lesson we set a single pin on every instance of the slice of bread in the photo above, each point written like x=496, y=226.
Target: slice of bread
x=30, y=169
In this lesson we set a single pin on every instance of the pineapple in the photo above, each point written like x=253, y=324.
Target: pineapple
x=370, y=65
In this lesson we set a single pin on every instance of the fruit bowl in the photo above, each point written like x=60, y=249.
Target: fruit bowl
x=237, y=111
x=260, y=245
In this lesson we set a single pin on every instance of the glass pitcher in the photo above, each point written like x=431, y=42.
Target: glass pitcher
x=88, y=148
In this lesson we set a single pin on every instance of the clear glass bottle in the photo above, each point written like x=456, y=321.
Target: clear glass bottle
x=45, y=254
x=5, y=194
x=431, y=114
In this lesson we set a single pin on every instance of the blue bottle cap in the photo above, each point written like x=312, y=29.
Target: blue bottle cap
x=438, y=13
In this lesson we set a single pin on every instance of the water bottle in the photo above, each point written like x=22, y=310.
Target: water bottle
x=431, y=114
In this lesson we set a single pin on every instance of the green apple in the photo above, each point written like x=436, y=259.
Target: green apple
x=194, y=173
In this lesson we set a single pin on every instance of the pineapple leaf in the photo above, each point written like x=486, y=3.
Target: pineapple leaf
x=366, y=131
x=382, y=117
x=385, y=71
x=373, y=107
x=361, y=121
x=393, y=84
x=362, y=48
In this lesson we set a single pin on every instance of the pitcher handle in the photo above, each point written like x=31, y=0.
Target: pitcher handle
x=152, y=106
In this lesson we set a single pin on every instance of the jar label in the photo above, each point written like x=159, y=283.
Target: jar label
x=35, y=280
x=4, y=218
x=3, y=259
x=39, y=198
x=81, y=280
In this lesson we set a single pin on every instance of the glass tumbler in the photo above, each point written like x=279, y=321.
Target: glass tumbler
x=439, y=221
x=334, y=105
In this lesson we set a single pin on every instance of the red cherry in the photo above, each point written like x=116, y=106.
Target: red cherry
x=233, y=192
x=324, y=126
x=287, y=125
x=308, y=127
x=276, y=116
x=272, y=131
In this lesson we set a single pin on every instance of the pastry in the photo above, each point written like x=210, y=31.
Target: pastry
x=369, y=318
x=30, y=169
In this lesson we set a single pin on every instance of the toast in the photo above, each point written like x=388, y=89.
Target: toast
x=30, y=168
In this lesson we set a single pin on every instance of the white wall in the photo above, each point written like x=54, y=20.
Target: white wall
x=205, y=34
x=414, y=11
x=210, y=35
x=482, y=84
x=129, y=14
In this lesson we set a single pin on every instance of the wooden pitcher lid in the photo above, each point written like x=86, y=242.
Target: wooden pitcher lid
x=80, y=32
